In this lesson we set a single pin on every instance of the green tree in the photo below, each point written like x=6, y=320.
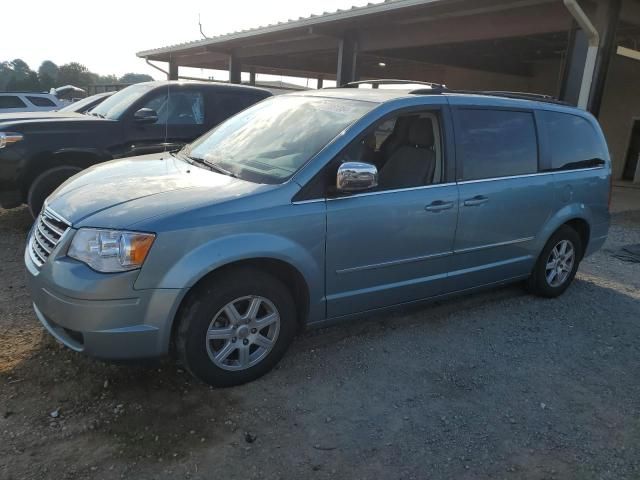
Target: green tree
x=6, y=74
x=48, y=74
x=135, y=78
x=75, y=74
x=23, y=77
x=16, y=75
x=107, y=79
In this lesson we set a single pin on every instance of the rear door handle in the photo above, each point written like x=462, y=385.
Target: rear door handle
x=476, y=201
x=438, y=206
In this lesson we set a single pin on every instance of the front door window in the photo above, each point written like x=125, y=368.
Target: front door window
x=178, y=108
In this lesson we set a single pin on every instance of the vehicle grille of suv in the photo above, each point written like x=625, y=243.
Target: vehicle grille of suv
x=47, y=232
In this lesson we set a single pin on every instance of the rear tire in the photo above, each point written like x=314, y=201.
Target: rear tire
x=557, y=265
x=45, y=184
x=220, y=341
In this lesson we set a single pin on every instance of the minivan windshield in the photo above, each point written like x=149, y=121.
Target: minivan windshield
x=114, y=106
x=272, y=140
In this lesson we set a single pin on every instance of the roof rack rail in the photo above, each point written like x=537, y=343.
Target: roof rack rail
x=393, y=81
x=497, y=93
x=30, y=92
x=525, y=96
x=438, y=88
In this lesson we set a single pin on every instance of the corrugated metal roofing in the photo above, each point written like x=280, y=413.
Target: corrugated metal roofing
x=340, y=14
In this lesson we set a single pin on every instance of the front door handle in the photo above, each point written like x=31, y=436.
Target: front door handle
x=476, y=201
x=438, y=206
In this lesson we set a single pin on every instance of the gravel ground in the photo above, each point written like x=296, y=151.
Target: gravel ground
x=496, y=385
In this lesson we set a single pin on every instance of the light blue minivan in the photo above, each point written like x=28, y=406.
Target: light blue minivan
x=313, y=207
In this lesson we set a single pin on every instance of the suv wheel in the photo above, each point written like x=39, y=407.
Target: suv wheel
x=235, y=327
x=558, y=263
x=45, y=184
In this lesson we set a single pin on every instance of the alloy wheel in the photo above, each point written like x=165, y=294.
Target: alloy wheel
x=560, y=263
x=242, y=333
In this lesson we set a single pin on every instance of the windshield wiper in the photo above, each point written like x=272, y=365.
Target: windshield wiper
x=219, y=169
x=210, y=166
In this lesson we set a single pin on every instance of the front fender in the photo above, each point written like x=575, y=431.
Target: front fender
x=223, y=251
x=207, y=257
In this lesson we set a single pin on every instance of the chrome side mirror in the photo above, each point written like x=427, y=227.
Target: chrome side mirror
x=356, y=176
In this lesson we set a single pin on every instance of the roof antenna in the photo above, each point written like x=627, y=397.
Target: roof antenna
x=166, y=121
x=200, y=26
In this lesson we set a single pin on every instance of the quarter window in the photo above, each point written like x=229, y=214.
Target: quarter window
x=228, y=104
x=41, y=101
x=573, y=142
x=10, y=101
x=497, y=143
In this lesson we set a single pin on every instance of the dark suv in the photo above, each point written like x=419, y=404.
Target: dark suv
x=37, y=155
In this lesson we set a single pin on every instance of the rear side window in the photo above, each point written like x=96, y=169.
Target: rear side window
x=10, y=101
x=41, y=101
x=573, y=142
x=496, y=143
x=228, y=104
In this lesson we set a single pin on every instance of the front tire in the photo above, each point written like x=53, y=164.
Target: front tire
x=235, y=327
x=45, y=184
x=557, y=265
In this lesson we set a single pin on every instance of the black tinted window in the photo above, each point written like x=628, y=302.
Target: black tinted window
x=497, y=143
x=228, y=104
x=7, y=101
x=573, y=142
x=41, y=101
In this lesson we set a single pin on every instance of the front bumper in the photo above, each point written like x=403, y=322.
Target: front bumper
x=101, y=315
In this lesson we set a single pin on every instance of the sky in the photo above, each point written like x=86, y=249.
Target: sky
x=106, y=39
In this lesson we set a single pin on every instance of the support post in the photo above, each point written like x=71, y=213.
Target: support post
x=593, y=45
x=173, y=71
x=252, y=76
x=607, y=50
x=347, y=59
x=320, y=82
x=574, y=66
x=235, y=71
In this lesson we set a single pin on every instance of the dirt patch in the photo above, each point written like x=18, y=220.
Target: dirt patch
x=496, y=385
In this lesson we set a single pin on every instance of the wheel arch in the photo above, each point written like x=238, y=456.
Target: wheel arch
x=39, y=164
x=583, y=229
x=578, y=217
x=284, y=271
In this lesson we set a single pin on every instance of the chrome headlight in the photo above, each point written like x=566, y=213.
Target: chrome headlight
x=110, y=251
x=7, y=138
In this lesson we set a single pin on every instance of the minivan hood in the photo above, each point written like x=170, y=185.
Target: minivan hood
x=132, y=189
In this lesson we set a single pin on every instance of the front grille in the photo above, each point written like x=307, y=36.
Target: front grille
x=47, y=232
